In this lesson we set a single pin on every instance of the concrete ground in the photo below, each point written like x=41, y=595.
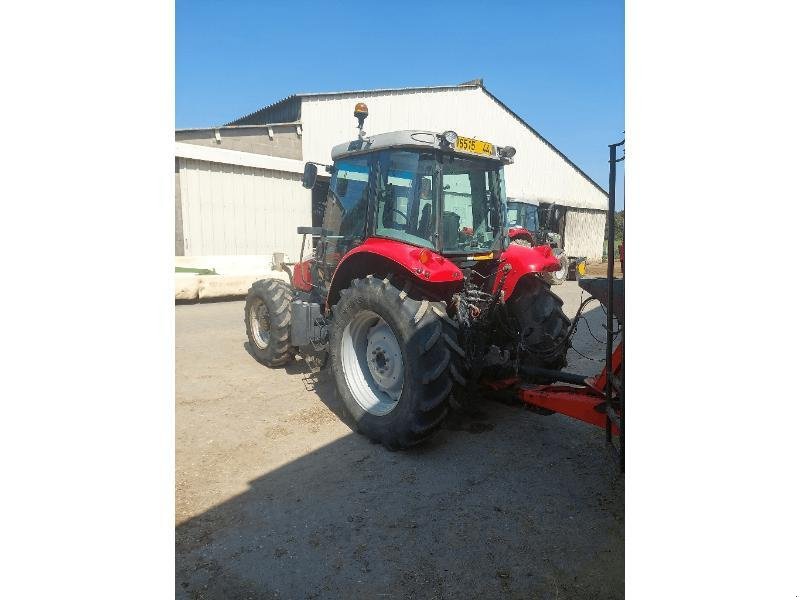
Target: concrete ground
x=276, y=496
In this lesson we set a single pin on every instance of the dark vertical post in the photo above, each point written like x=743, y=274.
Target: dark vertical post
x=612, y=195
x=612, y=184
x=622, y=366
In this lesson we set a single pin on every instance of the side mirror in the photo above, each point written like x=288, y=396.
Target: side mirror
x=309, y=175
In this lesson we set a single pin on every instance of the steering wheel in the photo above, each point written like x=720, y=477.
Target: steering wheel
x=402, y=214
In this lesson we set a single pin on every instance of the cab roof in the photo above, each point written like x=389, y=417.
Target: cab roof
x=414, y=139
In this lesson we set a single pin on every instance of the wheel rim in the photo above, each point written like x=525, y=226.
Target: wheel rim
x=372, y=361
x=259, y=323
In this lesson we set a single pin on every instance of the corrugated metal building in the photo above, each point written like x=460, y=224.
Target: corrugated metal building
x=247, y=174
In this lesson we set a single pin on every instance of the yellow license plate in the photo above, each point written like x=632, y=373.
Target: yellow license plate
x=476, y=146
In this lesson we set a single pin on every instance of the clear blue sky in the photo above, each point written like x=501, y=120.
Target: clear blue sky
x=558, y=65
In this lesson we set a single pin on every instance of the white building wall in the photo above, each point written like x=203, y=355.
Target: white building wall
x=232, y=209
x=584, y=232
x=538, y=172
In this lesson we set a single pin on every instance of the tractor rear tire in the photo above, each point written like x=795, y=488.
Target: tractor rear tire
x=267, y=318
x=544, y=326
x=390, y=362
x=560, y=276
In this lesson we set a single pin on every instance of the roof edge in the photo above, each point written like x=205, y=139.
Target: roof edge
x=547, y=142
x=436, y=88
x=213, y=127
x=467, y=85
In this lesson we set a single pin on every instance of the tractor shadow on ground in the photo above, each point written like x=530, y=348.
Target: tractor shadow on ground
x=531, y=508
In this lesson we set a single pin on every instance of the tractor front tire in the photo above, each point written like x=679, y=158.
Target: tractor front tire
x=560, y=276
x=267, y=318
x=390, y=362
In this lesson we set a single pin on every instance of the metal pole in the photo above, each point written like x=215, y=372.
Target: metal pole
x=622, y=365
x=612, y=194
x=612, y=184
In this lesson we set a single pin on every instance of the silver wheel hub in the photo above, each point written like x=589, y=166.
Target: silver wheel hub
x=384, y=359
x=372, y=361
x=259, y=323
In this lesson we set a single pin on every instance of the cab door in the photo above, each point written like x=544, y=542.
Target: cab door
x=347, y=203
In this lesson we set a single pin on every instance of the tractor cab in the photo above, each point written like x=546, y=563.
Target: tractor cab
x=438, y=194
x=523, y=213
x=522, y=216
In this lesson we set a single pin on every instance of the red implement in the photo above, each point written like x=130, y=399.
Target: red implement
x=583, y=402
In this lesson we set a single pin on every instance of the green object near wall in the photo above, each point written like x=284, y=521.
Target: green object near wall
x=196, y=271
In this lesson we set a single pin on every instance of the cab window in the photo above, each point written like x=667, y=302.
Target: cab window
x=346, y=206
x=348, y=198
x=406, y=209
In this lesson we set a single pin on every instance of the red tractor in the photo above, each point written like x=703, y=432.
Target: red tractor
x=413, y=292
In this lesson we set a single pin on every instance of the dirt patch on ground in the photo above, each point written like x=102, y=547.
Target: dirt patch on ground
x=277, y=497
x=313, y=417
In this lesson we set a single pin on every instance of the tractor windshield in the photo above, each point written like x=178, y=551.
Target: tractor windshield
x=440, y=201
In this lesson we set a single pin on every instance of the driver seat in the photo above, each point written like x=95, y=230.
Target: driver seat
x=389, y=207
x=424, y=229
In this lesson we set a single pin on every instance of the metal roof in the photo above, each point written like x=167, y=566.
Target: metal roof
x=290, y=103
x=260, y=125
x=288, y=110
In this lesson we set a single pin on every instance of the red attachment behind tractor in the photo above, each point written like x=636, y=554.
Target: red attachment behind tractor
x=585, y=403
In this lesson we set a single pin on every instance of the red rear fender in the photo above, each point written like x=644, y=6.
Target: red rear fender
x=422, y=264
x=525, y=261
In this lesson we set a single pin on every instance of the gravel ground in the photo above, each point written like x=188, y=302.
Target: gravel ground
x=276, y=496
